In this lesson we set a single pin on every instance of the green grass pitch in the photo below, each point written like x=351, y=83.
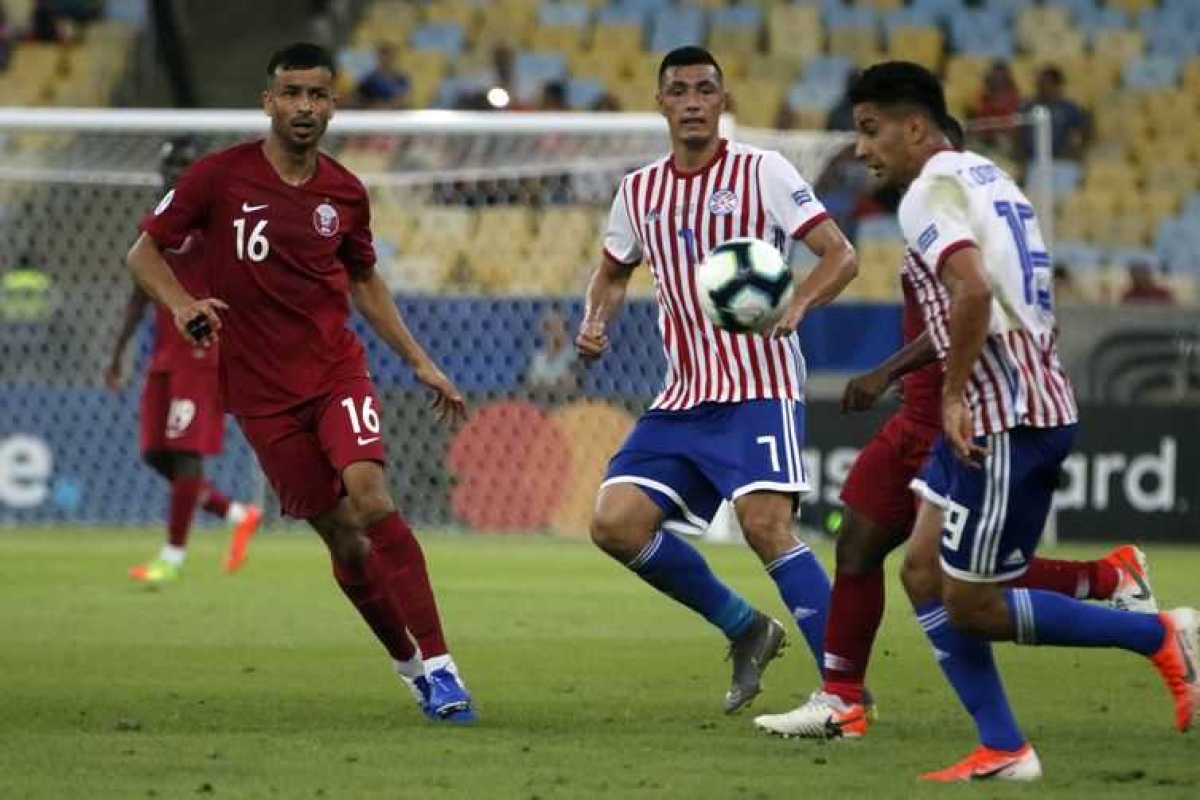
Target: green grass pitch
x=266, y=685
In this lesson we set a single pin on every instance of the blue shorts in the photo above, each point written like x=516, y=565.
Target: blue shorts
x=994, y=515
x=689, y=461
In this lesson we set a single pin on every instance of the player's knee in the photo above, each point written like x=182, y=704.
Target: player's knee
x=921, y=580
x=767, y=531
x=372, y=506
x=855, y=555
x=611, y=530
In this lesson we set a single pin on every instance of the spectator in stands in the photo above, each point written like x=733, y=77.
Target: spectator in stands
x=554, y=97
x=385, y=86
x=841, y=116
x=999, y=97
x=555, y=365
x=1143, y=288
x=48, y=24
x=1070, y=125
x=606, y=102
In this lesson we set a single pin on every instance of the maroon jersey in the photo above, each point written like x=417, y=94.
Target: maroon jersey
x=281, y=256
x=172, y=351
x=921, y=389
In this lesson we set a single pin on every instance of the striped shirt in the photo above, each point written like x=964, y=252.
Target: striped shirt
x=672, y=219
x=963, y=200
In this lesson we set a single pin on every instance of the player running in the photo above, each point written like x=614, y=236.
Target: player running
x=879, y=513
x=182, y=420
x=981, y=275
x=287, y=234
x=729, y=422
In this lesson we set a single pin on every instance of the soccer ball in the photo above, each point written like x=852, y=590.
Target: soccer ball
x=745, y=285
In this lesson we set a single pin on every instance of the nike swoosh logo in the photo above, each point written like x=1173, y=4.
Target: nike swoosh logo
x=1143, y=592
x=368, y=440
x=1189, y=668
x=249, y=209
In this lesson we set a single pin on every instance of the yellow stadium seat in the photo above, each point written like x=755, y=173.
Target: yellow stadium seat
x=853, y=41
x=617, y=40
x=566, y=38
x=761, y=105
x=1190, y=80
x=1179, y=179
x=1133, y=5
x=1107, y=175
x=735, y=39
x=782, y=67
x=504, y=228
x=920, y=44
x=794, y=30
x=1119, y=43
x=465, y=15
x=1034, y=22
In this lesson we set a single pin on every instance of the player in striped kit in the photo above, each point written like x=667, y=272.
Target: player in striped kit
x=981, y=274
x=729, y=421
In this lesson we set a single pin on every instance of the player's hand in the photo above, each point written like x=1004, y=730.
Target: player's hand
x=862, y=392
x=198, y=321
x=790, y=321
x=959, y=431
x=447, y=401
x=113, y=378
x=592, y=341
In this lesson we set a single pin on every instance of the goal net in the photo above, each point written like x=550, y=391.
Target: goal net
x=486, y=227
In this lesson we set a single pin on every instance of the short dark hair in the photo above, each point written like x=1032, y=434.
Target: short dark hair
x=902, y=83
x=954, y=132
x=301, y=55
x=686, y=57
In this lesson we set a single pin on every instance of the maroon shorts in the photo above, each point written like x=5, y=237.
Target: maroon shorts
x=181, y=411
x=877, y=486
x=303, y=450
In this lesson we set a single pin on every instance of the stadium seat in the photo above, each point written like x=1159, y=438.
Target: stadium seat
x=1121, y=44
x=794, y=31
x=575, y=15
x=1151, y=72
x=563, y=38
x=583, y=93
x=449, y=12
x=532, y=70
x=676, y=27
x=617, y=38
x=922, y=45
x=778, y=67
x=445, y=38
x=1133, y=5
x=813, y=95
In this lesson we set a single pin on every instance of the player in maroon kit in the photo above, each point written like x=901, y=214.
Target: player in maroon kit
x=287, y=233
x=182, y=420
x=879, y=516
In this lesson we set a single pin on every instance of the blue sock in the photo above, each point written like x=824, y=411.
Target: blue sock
x=1041, y=617
x=804, y=588
x=677, y=569
x=968, y=665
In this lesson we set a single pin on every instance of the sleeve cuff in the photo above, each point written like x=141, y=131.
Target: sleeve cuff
x=804, y=227
x=609, y=254
x=951, y=249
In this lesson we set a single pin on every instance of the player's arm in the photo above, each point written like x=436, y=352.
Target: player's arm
x=605, y=295
x=970, y=316
x=374, y=301
x=135, y=307
x=863, y=391
x=837, y=264
x=195, y=319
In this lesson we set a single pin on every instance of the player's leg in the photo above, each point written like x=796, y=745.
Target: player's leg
x=755, y=459
x=646, y=483
x=358, y=456
x=1121, y=577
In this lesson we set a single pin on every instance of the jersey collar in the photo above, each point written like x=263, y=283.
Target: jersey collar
x=722, y=146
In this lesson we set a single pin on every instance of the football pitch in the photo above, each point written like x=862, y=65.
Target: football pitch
x=589, y=684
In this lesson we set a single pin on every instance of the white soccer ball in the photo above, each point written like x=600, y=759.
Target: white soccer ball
x=745, y=285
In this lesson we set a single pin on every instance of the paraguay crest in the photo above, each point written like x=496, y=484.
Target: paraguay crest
x=722, y=203
x=325, y=219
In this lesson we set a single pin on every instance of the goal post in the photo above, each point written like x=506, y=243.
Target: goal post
x=487, y=226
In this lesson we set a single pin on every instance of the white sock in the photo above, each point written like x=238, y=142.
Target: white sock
x=172, y=554
x=441, y=662
x=412, y=669
x=236, y=512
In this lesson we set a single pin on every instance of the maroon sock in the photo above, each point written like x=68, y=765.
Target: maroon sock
x=1103, y=579
x=213, y=501
x=367, y=591
x=185, y=492
x=408, y=580
x=1072, y=578
x=855, y=611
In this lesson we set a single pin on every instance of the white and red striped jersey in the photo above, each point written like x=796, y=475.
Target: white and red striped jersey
x=964, y=200
x=672, y=219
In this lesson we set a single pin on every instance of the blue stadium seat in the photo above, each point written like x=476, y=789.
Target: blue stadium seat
x=131, y=12
x=1079, y=256
x=1181, y=41
x=737, y=17
x=839, y=16
x=645, y=6
x=1066, y=176
x=564, y=14
x=943, y=8
x=1009, y=8
x=442, y=37
x=676, y=27
x=830, y=69
x=1079, y=8
x=982, y=32
x=532, y=70
x=451, y=89
x=622, y=15
x=582, y=93
x=1101, y=19
x=1191, y=209
x=356, y=62
x=1151, y=72
x=909, y=17
x=810, y=95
